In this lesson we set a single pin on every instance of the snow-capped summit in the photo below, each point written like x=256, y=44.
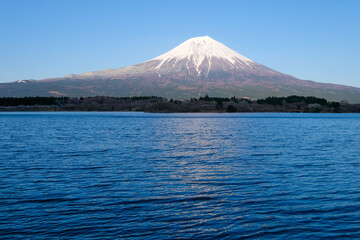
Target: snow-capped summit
x=202, y=50
x=203, y=57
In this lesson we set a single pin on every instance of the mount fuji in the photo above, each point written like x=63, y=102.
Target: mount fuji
x=194, y=68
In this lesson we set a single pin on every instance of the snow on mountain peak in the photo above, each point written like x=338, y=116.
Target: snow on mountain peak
x=197, y=49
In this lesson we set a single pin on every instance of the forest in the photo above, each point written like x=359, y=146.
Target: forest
x=163, y=105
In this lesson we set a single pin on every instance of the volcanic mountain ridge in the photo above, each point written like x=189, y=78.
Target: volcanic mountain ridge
x=196, y=67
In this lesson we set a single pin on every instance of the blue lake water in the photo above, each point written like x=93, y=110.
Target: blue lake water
x=186, y=176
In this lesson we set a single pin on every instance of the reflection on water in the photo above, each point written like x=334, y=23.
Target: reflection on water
x=136, y=175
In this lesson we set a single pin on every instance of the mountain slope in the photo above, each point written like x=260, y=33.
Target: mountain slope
x=195, y=58
x=196, y=67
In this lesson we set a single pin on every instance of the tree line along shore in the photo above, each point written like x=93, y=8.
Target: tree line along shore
x=163, y=105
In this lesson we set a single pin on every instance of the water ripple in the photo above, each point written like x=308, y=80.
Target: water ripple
x=179, y=176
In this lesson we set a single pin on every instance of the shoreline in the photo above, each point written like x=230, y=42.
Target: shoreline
x=101, y=111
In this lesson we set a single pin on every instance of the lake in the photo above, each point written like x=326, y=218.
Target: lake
x=99, y=175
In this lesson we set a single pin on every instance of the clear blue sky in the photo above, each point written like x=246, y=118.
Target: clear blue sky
x=310, y=39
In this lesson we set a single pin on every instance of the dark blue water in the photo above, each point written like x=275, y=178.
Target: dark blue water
x=168, y=176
